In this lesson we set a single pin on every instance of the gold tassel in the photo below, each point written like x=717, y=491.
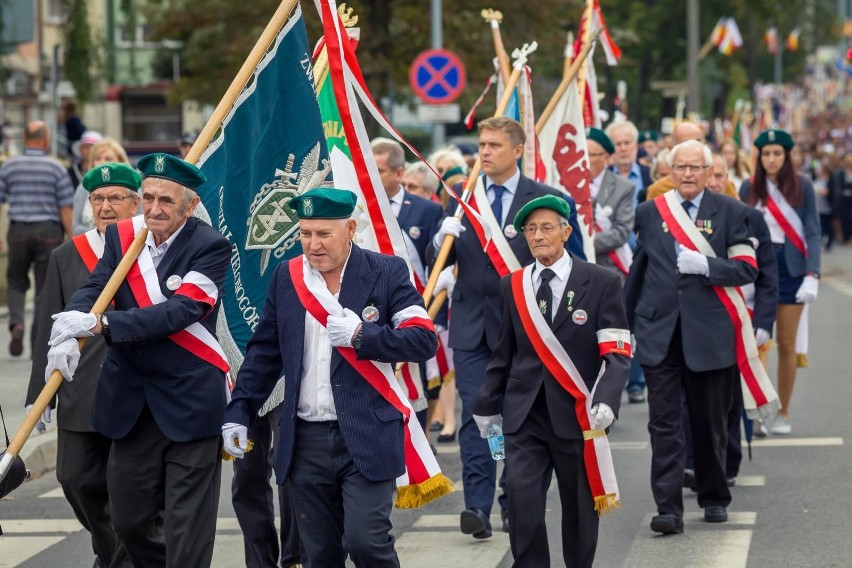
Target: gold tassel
x=414, y=496
x=606, y=504
x=450, y=376
x=228, y=457
x=433, y=383
x=802, y=360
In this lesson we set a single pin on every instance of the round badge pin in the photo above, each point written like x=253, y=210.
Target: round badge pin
x=510, y=231
x=174, y=282
x=414, y=232
x=370, y=314
x=580, y=317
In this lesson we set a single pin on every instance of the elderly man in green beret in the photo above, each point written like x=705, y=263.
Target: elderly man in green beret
x=162, y=390
x=559, y=313
x=82, y=452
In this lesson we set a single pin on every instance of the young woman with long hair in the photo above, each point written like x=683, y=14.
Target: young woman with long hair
x=788, y=203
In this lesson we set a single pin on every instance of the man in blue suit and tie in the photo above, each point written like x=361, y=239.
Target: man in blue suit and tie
x=330, y=316
x=475, y=320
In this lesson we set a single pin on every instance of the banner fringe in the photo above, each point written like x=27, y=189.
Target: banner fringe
x=606, y=504
x=802, y=361
x=765, y=413
x=414, y=496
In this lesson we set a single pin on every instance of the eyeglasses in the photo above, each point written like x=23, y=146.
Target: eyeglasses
x=597, y=154
x=547, y=228
x=680, y=168
x=113, y=199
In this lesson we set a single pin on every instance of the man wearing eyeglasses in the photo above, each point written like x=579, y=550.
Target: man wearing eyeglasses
x=162, y=392
x=82, y=452
x=685, y=336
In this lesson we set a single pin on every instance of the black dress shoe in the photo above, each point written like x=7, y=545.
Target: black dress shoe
x=446, y=438
x=689, y=478
x=504, y=516
x=732, y=481
x=667, y=524
x=715, y=514
x=436, y=426
x=474, y=522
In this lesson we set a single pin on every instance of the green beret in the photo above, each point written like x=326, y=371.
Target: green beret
x=456, y=171
x=112, y=174
x=169, y=167
x=545, y=202
x=324, y=203
x=647, y=135
x=601, y=138
x=775, y=136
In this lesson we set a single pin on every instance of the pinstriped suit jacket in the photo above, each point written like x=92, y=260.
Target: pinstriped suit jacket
x=371, y=427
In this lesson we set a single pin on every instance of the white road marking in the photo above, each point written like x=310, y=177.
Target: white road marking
x=38, y=526
x=53, y=494
x=628, y=445
x=446, y=521
x=744, y=518
x=783, y=441
x=840, y=285
x=424, y=549
x=751, y=480
x=447, y=448
x=14, y=551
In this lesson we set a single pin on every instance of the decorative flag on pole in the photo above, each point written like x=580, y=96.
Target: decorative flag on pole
x=732, y=39
x=566, y=162
x=591, y=110
x=269, y=149
x=612, y=51
x=718, y=33
x=770, y=38
x=793, y=40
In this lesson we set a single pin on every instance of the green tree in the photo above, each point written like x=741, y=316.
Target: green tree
x=81, y=53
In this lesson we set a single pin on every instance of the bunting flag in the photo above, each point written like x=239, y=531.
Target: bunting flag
x=566, y=162
x=269, y=148
x=423, y=480
x=792, y=42
x=611, y=50
x=521, y=108
x=732, y=38
x=770, y=38
x=718, y=33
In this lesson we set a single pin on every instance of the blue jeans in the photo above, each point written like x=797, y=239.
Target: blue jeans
x=636, y=379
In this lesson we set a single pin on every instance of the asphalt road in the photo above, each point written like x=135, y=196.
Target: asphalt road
x=792, y=504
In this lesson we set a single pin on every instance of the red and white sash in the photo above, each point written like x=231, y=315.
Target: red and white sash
x=597, y=456
x=622, y=257
x=786, y=217
x=496, y=247
x=759, y=396
x=90, y=247
x=145, y=286
x=422, y=481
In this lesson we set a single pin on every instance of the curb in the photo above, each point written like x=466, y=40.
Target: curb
x=39, y=454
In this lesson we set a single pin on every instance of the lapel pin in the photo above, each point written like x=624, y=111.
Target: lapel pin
x=370, y=314
x=414, y=232
x=510, y=231
x=665, y=227
x=580, y=317
x=174, y=282
x=570, y=300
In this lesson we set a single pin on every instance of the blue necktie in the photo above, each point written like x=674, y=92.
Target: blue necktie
x=497, y=204
x=687, y=206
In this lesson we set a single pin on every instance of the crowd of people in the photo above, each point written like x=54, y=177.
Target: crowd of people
x=684, y=230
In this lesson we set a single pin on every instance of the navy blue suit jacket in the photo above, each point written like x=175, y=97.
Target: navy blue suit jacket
x=658, y=296
x=371, y=427
x=476, y=296
x=186, y=394
x=420, y=219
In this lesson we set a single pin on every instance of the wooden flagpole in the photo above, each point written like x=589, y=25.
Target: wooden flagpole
x=495, y=17
x=213, y=124
x=441, y=260
x=570, y=70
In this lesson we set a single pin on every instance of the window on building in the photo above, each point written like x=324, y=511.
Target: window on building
x=55, y=11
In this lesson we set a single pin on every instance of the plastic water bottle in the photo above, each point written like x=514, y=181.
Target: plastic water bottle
x=495, y=442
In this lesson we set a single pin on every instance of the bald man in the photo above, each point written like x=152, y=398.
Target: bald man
x=682, y=132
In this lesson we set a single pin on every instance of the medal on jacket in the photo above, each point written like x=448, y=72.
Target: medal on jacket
x=370, y=314
x=174, y=282
x=570, y=300
x=510, y=231
x=580, y=317
x=414, y=233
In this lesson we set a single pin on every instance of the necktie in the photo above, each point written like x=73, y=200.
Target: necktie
x=544, y=296
x=497, y=205
x=688, y=206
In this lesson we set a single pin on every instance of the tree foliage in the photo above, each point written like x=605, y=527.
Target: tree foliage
x=81, y=53
x=218, y=34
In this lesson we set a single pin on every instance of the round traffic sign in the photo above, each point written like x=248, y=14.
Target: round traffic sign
x=437, y=76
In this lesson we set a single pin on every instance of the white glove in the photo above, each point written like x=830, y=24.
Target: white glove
x=602, y=217
x=808, y=291
x=64, y=357
x=484, y=422
x=632, y=345
x=71, y=324
x=235, y=439
x=446, y=281
x=692, y=262
x=761, y=336
x=603, y=414
x=40, y=426
x=341, y=330
x=449, y=226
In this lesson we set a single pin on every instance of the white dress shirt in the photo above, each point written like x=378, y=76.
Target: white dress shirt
x=316, y=401
x=157, y=252
x=396, y=202
x=693, y=212
x=511, y=186
x=596, y=184
x=562, y=269
x=776, y=233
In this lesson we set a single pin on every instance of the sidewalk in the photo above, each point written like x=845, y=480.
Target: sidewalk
x=39, y=453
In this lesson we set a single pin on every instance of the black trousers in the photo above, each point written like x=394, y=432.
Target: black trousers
x=708, y=397
x=81, y=469
x=734, y=449
x=338, y=510
x=533, y=453
x=164, y=496
x=251, y=495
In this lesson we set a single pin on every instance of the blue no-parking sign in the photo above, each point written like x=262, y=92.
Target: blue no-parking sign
x=437, y=76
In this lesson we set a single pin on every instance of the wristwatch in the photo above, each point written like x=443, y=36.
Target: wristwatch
x=104, y=325
x=356, y=341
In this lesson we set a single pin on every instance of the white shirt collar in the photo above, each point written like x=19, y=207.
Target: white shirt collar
x=318, y=274
x=399, y=197
x=168, y=242
x=510, y=184
x=695, y=200
x=561, y=267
